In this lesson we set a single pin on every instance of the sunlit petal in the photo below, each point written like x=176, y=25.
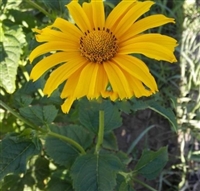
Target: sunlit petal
x=145, y=24
x=86, y=83
x=61, y=74
x=52, y=46
x=137, y=69
x=117, y=80
x=87, y=8
x=48, y=62
x=167, y=41
x=66, y=27
x=151, y=50
x=131, y=16
x=48, y=34
x=98, y=13
x=117, y=13
x=79, y=16
x=72, y=82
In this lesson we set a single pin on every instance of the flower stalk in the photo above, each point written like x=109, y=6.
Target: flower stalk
x=36, y=6
x=49, y=133
x=143, y=184
x=68, y=140
x=101, y=131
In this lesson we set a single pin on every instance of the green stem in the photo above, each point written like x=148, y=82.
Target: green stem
x=19, y=116
x=36, y=6
x=101, y=131
x=67, y=139
x=143, y=184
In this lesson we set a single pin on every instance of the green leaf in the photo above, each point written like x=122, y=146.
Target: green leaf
x=124, y=106
x=123, y=185
x=89, y=115
x=195, y=156
x=165, y=112
x=136, y=141
x=12, y=182
x=155, y=106
x=110, y=141
x=151, y=163
x=42, y=171
x=123, y=157
x=95, y=172
x=58, y=5
x=28, y=179
x=15, y=182
x=60, y=183
x=22, y=100
x=39, y=115
x=10, y=50
x=14, y=154
x=62, y=152
x=139, y=105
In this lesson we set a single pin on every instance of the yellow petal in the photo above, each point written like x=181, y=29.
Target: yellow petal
x=167, y=41
x=87, y=7
x=137, y=69
x=86, y=83
x=145, y=24
x=98, y=14
x=48, y=34
x=117, y=13
x=67, y=27
x=117, y=80
x=71, y=84
x=131, y=16
x=137, y=86
x=55, y=45
x=62, y=73
x=48, y=62
x=151, y=50
x=79, y=16
x=67, y=104
x=109, y=94
x=92, y=81
x=102, y=80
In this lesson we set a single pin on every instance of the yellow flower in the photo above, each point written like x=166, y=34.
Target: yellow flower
x=93, y=55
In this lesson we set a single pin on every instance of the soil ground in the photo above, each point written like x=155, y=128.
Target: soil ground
x=159, y=136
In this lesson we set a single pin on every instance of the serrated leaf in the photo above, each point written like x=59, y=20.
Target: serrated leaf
x=10, y=50
x=124, y=106
x=139, y=105
x=39, y=115
x=151, y=163
x=110, y=141
x=95, y=172
x=62, y=152
x=89, y=115
x=14, y=154
x=22, y=100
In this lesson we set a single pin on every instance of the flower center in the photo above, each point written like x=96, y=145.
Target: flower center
x=98, y=45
